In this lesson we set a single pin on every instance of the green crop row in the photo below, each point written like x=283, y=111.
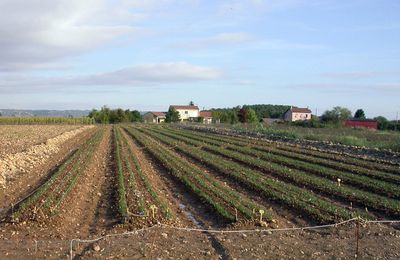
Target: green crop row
x=346, y=160
x=59, y=176
x=206, y=187
x=322, y=185
x=122, y=204
x=149, y=187
x=296, y=155
x=291, y=196
x=369, y=184
x=348, y=156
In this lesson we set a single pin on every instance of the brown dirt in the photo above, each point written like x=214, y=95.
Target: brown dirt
x=90, y=211
x=375, y=242
x=13, y=165
x=23, y=185
x=17, y=138
x=159, y=186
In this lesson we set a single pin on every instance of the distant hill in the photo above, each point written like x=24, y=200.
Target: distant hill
x=45, y=113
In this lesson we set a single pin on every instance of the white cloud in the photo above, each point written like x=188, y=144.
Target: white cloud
x=138, y=75
x=39, y=33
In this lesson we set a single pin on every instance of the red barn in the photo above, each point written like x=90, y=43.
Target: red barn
x=361, y=123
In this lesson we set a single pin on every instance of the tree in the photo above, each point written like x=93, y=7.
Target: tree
x=337, y=115
x=105, y=113
x=136, y=116
x=191, y=103
x=383, y=123
x=107, y=116
x=172, y=116
x=251, y=116
x=359, y=114
x=247, y=115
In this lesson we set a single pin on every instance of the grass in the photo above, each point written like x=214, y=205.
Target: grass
x=346, y=136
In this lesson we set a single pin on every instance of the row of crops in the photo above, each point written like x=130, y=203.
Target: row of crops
x=46, y=120
x=273, y=159
x=227, y=203
x=138, y=200
x=324, y=190
x=47, y=199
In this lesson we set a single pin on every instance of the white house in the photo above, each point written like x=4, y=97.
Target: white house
x=187, y=112
x=154, y=117
x=297, y=114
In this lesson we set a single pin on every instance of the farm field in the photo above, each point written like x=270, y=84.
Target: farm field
x=341, y=135
x=16, y=138
x=104, y=180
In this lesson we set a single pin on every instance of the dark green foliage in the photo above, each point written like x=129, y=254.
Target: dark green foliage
x=230, y=115
x=359, y=114
x=135, y=116
x=172, y=116
x=383, y=123
x=337, y=115
x=314, y=122
x=108, y=116
x=268, y=111
x=247, y=115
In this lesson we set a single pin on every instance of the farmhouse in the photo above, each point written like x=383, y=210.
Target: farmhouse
x=207, y=116
x=361, y=123
x=187, y=113
x=297, y=114
x=154, y=117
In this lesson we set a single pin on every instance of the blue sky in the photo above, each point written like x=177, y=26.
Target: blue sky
x=82, y=54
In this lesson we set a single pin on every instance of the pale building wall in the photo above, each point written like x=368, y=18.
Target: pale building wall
x=207, y=120
x=301, y=116
x=185, y=114
x=293, y=116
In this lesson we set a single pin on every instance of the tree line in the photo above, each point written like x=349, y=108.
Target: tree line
x=248, y=113
x=113, y=116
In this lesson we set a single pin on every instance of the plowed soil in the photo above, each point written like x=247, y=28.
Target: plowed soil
x=91, y=211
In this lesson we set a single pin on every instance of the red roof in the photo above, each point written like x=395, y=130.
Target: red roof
x=206, y=114
x=185, y=107
x=300, y=110
x=159, y=114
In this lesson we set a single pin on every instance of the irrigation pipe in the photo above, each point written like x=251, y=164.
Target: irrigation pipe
x=226, y=231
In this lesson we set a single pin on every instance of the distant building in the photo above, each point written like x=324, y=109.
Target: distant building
x=297, y=114
x=207, y=116
x=361, y=123
x=187, y=113
x=154, y=117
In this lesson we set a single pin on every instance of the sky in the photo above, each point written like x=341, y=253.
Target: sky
x=146, y=55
